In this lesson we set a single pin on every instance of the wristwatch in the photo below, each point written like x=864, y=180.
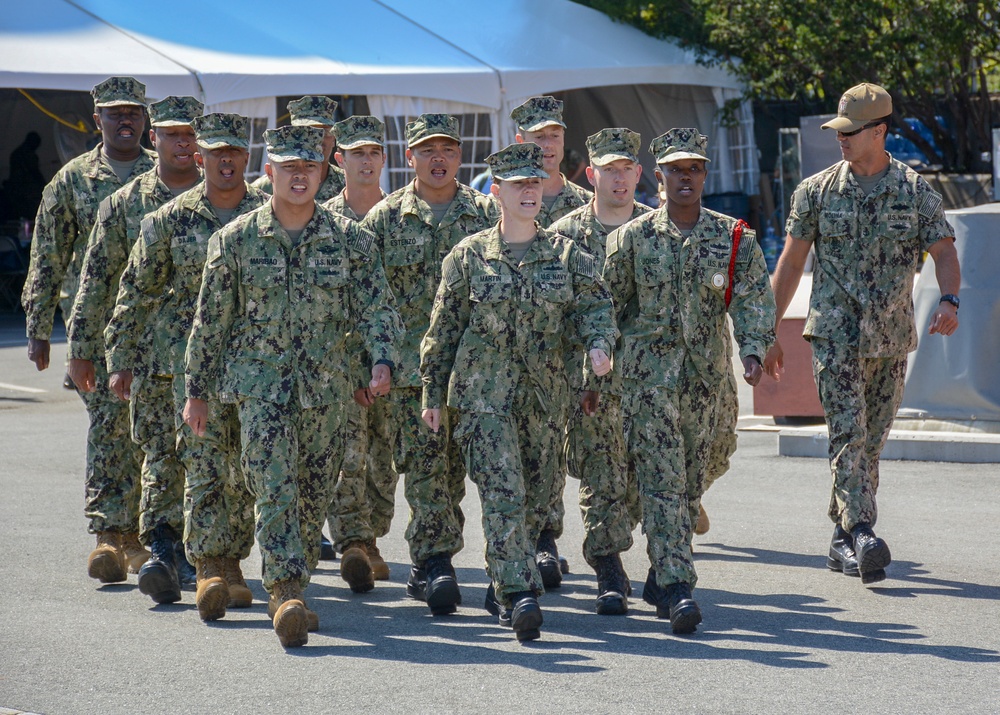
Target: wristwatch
x=950, y=298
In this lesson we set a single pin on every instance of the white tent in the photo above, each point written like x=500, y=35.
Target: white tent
x=405, y=56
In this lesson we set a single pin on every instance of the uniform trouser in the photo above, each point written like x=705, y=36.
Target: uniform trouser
x=151, y=414
x=510, y=459
x=291, y=456
x=860, y=397
x=595, y=454
x=114, y=461
x=724, y=445
x=364, y=497
x=218, y=507
x=434, y=477
x=669, y=433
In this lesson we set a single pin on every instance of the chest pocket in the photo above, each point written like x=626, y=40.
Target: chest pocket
x=491, y=295
x=713, y=275
x=553, y=295
x=264, y=283
x=835, y=232
x=404, y=251
x=329, y=281
x=652, y=283
x=189, y=250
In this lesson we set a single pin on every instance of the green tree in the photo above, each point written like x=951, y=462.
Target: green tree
x=938, y=58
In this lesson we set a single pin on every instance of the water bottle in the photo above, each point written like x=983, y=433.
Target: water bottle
x=770, y=248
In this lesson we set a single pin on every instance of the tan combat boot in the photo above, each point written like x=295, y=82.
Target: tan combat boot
x=212, y=591
x=290, y=617
x=380, y=569
x=107, y=562
x=356, y=569
x=703, y=524
x=135, y=553
x=240, y=595
x=312, y=618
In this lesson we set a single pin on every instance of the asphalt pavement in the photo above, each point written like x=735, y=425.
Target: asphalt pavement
x=781, y=633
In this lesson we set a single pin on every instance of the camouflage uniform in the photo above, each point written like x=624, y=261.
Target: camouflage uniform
x=568, y=200
x=860, y=322
x=65, y=218
x=412, y=247
x=674, y=359
x=270, y=336
x=313, y=111
x=495, y=345
x=159, y=291
x=595, y=448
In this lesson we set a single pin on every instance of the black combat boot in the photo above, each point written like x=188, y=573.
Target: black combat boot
x=547, y=558
x=441, y=591
x=842, y=557
x=327, y=551
x=679, y=607
x=493, y=605
x=612, y=586
x=525, y=616
x=186, y=572
x=651, y=592
x=158, y=576
x=416, y=584
x=872, y=553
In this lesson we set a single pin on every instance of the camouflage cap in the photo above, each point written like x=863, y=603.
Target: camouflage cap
x=428, y=126
x=611, y=144
x=359, y=130
x=174, y=111
x=517, y=161
x=538, y=112
x=295, y=142
x=312, y=110
x=678, y=144
x=119, y=91
x=213, y=131
x=860, y=105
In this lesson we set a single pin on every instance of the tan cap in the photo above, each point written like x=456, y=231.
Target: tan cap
x=118, y=92
x=291, y=143
x=859, y=106
x=312, y=111
x=517, y=161
x=359, y=130
x=612, y=144
x=428, y=126
x=537, y=113
x=216, y=130
x=174, y=111
x=679, y=144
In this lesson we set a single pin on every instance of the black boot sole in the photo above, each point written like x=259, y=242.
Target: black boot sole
x=551, y=573
x=443, y=596
x=157, y=582
x=685, y=619
x=873, y=562
x=527, y=623
x=611, y=604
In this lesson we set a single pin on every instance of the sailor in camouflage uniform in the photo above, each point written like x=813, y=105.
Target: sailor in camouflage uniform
x=315, y=111
x=540, y=120
x=684, y=268
x=494, y=352
x=65, y=218
x=595, y=445
x=415, y=228
x=151, y=414
x=282, y=288
x=367, y=483
x=148, y=332
x=869, y=217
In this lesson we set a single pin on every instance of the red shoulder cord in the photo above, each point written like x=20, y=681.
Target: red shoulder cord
x=737, y=237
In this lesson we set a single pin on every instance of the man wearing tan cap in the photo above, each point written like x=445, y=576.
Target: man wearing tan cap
x=147, y=335
x=415, y=228
x=493, y=352
x=366, y=490
x=62, y=227
x=869, y=217
x=151, y=415
x=315, y=111
x=540, y=120
x=594, y=441
x=686, y=268
x=282, y=288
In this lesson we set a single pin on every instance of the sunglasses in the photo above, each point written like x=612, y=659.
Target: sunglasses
x=869, y=125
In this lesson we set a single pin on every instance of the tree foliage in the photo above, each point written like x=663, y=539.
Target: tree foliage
x=937, y=58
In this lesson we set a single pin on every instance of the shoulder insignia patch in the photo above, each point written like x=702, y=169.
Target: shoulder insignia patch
x=362, y=241
x=747, y=243
x=104, y=211
x=584, y=263
x=451, y=270
x=930, y=204
x=613, y=243
x=147, y=229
